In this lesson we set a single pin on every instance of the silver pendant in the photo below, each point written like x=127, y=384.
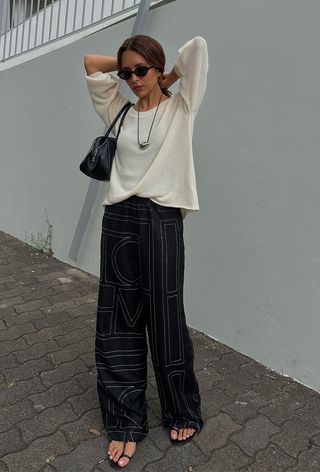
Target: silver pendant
x=144, y=145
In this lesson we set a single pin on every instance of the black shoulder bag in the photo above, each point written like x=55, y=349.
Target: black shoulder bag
x=98, y=161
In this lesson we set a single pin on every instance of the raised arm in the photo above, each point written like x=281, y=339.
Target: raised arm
x=95, y=63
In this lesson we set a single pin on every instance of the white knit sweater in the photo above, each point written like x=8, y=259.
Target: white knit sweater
x=164, y=172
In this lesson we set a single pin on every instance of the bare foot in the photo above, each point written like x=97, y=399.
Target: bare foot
x=184, y=433
x=115, y=451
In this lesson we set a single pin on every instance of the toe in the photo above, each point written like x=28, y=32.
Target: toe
x=129, y=449
x=174, y=434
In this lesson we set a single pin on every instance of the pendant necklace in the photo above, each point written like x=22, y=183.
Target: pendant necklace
x=146, y=143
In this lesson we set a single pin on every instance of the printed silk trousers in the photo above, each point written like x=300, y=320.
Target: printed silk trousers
x=141, y=290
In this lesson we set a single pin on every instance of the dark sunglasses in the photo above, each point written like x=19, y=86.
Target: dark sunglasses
x=139, y=71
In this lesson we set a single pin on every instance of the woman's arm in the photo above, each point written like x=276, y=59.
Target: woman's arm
x=168, y=79
x=95, y=63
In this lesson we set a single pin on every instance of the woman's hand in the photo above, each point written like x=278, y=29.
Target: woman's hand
x=168, y=79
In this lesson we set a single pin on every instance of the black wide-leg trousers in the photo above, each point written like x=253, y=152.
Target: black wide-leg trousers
x=141, y=288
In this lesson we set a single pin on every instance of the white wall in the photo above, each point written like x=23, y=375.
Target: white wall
x=253, y=251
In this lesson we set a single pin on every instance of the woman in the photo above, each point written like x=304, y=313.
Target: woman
x=152, y=188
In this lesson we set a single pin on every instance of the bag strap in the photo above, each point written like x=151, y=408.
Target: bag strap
x=125, y=109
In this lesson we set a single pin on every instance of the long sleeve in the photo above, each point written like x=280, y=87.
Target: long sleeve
x=105, y=95
x=192, y=67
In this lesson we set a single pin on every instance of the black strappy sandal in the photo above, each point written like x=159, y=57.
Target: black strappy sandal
x=180, y=441
x=115, y=464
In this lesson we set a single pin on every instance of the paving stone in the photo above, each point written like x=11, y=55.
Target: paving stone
x=255, y=435
x=32, y=305
x=309, y=461
x=311, y=411
x=84, y=309
x=86, y=427
x=151, y=392
x=12, y=346
x=35, y=456
x=270, y=386
x=14, y=292
x=270, y=459
x=75, y=302
x=62, y=372
x=24, y=318
x=227, y=459
x=154, y=413
x=230, y=362
x=202, y=357
x=49, y=320
x=89, y=359
x=207, y=378
x=27, y=370
x=255, y=369
x=212, y=401
x=17, y=391
x=74, y=336
x=3, y=467
x=216, y=432
x=37, y=351
x=8, y=362
x=9, y=302
x=281, y=409
x=299, y=391
x=237, y=383
x=85, y=401
x=245, y=406
x=160, y=437
x=55, y=395
x=69, y=353
x=12, y=414
x=176, y=460
x=84, y=457
x=44, y=334
x=46, y=422
x=87, y=379
x=17, y=331
x=6, y=278
x=10, y=441
x=295, y=435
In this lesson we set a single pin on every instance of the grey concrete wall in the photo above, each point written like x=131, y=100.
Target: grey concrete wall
x=253, y=250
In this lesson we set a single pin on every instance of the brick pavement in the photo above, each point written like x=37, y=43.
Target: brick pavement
x=255, y=420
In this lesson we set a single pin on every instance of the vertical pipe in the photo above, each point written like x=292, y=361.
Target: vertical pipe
x=4, y=15
x=11, y=25
x=92, y=11
x=37, y=23
x=58, y=20
x=50, y=27
x=112, y=7
x=101, y=13
x=30, y=24
x=24, y=22
x=83, y=12
x=44, y=20
x=74, y=16
x=17, y=29
x=66, y=18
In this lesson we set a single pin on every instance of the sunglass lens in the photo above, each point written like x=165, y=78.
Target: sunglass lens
x=124, y=74
x=141, y=71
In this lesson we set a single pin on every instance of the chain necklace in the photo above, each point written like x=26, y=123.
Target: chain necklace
x=146, y=143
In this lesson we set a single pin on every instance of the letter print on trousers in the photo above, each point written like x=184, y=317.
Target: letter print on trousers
x=141, y=286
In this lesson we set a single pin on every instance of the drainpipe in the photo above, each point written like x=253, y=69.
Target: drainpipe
x=94, y=184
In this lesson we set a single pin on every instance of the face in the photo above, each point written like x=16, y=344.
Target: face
x=141, y=86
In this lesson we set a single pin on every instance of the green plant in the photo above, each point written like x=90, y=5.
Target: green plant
x=42, y=242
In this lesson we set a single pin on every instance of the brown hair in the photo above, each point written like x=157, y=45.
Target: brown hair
x=147, y=47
